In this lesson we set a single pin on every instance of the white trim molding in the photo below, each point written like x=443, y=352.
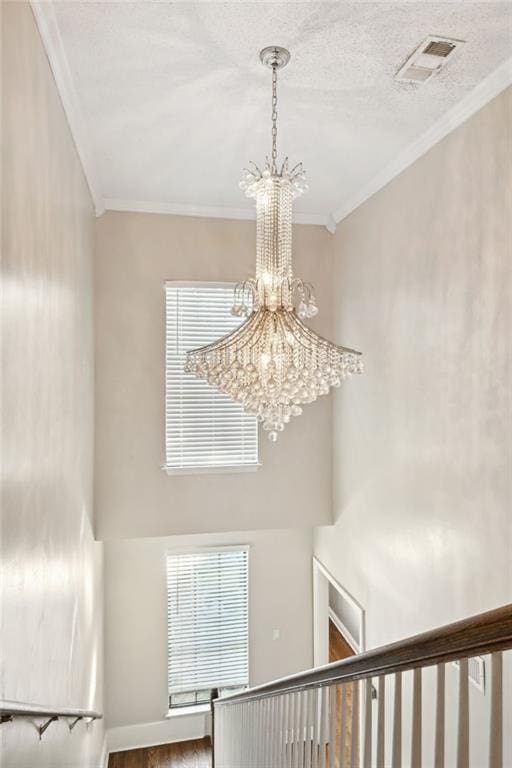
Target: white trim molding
x=104, y=753
x=481, y=95
x=321, y=613
x=44, y=13
x=46, y=20
x=202, y=211
x=167, y=731
x=343, y=630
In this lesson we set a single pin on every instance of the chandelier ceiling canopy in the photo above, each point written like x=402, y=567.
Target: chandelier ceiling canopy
x=273, y=363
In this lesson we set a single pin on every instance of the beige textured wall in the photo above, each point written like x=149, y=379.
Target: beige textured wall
x=422, y=449
x=51, y=631
x=280, y=598
x=136, y=253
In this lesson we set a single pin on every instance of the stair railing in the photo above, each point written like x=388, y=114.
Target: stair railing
x=329, y=717
x=10, y=710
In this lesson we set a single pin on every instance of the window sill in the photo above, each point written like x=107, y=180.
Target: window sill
x=200, y=709
x=211, y=470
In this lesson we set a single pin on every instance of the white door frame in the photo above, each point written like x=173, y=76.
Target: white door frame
x=321, y=614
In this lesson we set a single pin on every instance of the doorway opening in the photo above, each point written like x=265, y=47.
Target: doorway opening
x=339, y=632
x=338, y=618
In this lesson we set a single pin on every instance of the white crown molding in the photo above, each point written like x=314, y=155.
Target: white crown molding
x=203, y=211
x=46, y=21
x=45, y=17
x=481, y=95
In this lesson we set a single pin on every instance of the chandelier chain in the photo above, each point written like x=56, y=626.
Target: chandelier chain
x=274, y=119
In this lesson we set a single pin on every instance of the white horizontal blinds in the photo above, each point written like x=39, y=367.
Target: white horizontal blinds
x=203, y=427
x=207, y=598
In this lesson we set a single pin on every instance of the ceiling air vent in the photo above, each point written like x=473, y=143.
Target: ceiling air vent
x=428, y=59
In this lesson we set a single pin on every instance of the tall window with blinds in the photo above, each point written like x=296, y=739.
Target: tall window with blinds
x=208, y=624
x=204, y=429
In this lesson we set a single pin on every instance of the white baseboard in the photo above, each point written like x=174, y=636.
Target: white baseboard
x=162, y=732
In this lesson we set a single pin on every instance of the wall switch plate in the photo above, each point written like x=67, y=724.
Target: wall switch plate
x=276, y=634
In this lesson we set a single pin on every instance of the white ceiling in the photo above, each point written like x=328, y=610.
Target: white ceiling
x=174, y=101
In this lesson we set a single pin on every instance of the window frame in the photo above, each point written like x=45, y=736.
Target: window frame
x=197, y=550
x=221, y=469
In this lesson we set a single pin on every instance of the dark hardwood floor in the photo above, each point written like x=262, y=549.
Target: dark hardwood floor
x=338, y=646
x=197, y=754
x=184, y=754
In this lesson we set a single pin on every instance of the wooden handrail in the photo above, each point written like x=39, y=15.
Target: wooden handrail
x=485, y=633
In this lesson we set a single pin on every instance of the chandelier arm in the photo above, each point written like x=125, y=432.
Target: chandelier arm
x=316, y=338
x=251, y=335
x=221, y=343
x=250, y=325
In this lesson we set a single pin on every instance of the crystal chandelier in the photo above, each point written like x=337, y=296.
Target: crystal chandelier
x=273, y=363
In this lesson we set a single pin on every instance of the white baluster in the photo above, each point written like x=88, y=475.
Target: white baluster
x=333, y=708
x=381, y=722
x=250, y=743
x=245, y=742
x=309, y=720
x=299, y=733
x=216, y=736
x=247, y=735
x=416, y=720
x=463, y=721
x=291, y=722
x=228, y=734
x=289, y=730
x=264, y=729
x=271, y=703
x=262, y=734
x=295, y=732
x=224, y=737
x=302, y=727
x=324, y=720
x=259, y=738
x=343, y=724
x=496, y=713
x=367, y=744
x=316, y=736
x=232, y=743
x=396, y=756
x=252, y=734
x=243, y=736
x=271, y=729
x=279, y=731
x=440, y=717
x=252, y=750
x=284, y=745
x=232, y=733
x=354, y=747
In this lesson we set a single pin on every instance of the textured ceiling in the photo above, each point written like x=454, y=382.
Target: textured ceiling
x=176, y=102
